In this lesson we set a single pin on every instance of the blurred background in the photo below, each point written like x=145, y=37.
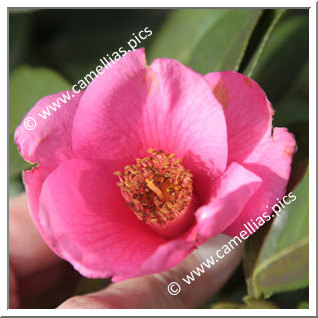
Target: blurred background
x=49, y=50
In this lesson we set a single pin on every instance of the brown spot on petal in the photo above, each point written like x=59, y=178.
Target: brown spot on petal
x=247, y=81
x=151, y=78
x=221, y=93
x=289, y=151
x=128, y=73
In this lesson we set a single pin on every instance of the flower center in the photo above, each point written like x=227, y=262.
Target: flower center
x=158, y=188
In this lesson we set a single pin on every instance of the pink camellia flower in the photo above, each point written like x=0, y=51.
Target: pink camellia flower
x=149, y=162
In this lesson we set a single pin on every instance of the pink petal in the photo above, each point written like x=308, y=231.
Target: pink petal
x=49, y=143
x=271, y=160
x=132, y=107
x=166, y=256
x=33, y=181
x=87, y=222
x=237, y=186
x=247, y=111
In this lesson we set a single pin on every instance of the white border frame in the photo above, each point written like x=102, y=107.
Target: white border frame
x=312, y=155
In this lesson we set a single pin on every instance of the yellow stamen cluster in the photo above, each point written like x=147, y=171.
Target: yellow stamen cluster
x=157, y=188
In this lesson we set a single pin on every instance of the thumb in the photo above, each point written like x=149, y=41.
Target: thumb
x=179, y=287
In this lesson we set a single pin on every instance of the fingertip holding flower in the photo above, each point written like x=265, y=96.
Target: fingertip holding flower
x=193, y=156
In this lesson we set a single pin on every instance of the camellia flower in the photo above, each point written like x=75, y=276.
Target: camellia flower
x=149, y=162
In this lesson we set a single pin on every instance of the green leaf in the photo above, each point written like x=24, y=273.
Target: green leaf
x=19, y=11
x=20, y=30
x=208, y=39
x=249, y=303
x=260, y=38
x=283, y=57
x=15, y=187
x=294, y=105
x=226, y=305
x=223, y=45
x=303, y=305
x=282, y=263
x=253, y=303
x=252, y=249
x=87, y=285
x=182, y=30
x=26, y=86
